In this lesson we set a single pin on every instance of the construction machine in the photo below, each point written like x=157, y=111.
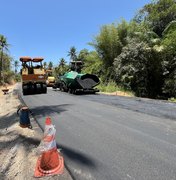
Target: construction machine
x=76, y=82
x=33, y=75
x=50, y=77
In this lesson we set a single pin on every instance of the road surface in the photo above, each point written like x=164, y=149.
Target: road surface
x=110, y=137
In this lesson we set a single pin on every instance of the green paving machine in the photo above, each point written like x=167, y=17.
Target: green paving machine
x=75, y=82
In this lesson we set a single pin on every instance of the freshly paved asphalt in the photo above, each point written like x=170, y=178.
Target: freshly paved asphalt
x=110, y=137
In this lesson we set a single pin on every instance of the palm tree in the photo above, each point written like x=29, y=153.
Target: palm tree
x=83, y=54
x=62, y=68
x=62, y=62
x=3, y=46
x=45, y=65
x=72, y=53
x=50, y=65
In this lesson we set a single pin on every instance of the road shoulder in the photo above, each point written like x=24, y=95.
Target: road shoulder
x=19, y=146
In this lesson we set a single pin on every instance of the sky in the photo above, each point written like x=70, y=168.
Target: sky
x=48, y=28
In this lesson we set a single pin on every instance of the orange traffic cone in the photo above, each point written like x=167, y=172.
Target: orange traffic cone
x=50, y=162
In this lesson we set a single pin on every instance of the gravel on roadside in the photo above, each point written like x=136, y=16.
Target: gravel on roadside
x=18, y=146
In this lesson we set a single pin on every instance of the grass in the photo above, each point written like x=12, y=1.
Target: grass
x=111, y=87
x=172, y=99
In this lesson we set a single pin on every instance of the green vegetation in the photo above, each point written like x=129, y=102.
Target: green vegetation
x=111, y=87
x=108, y=87
x=72, y=53
x=172, y=100
x=61, y=68
x=138, y=56
x=6, y=73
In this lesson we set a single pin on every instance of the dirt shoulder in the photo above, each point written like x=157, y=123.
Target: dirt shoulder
x=18, y=146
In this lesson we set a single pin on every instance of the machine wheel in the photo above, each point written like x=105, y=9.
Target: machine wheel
x=63, y=87
x=74, y=91
x=25, y=90
x=70, y=90
x=44, y=89
x=32, y=89
x=38, y=88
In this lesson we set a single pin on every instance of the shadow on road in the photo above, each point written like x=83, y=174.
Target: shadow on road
x=75, y=155
x=49, y=110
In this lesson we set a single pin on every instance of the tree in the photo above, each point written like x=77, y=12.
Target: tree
x=72, y=53
x=3, y=46
x=139, y=69
x=83, y=54
x=62, y=68
x=8, y=74
x=93, y=64
x=160, y=17
x=50, y=65
x=108, y=46
x=169, y=37
x=158, y=14
x=122, y=29
x=62, y=62
x=45, y=65
x=169, y=59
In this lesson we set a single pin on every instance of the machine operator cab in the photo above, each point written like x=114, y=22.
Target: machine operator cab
x=33, y=75
x=32, y=66
x=76, y=66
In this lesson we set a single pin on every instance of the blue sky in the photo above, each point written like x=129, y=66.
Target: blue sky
x=48, y=28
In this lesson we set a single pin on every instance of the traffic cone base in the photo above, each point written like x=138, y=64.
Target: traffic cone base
x=49, y=163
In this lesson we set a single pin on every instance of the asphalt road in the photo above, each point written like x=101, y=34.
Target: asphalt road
x=110, y=137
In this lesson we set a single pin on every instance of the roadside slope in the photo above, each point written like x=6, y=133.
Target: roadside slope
x=18, y=146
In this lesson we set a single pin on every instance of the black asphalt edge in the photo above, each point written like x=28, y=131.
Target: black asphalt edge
x=24, y=104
